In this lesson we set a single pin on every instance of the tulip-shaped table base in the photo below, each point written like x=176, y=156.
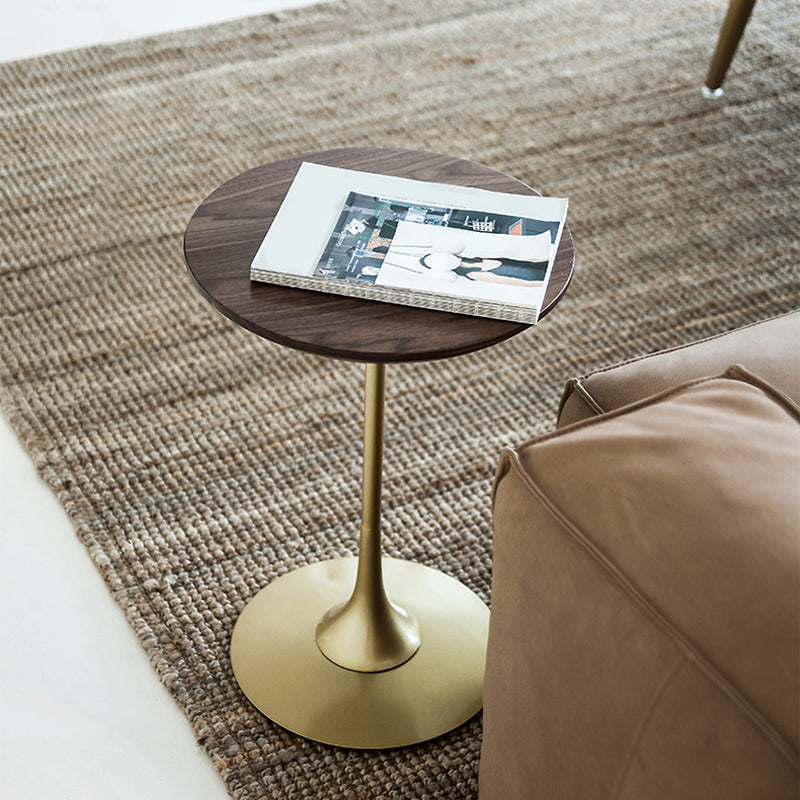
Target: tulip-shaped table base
x=364, y=652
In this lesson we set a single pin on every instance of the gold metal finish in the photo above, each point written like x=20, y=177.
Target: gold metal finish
x=731, y=32
x=283, y=673
x=368, y=672
x=368, y=633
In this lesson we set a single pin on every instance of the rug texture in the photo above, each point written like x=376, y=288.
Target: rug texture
x=199, y=462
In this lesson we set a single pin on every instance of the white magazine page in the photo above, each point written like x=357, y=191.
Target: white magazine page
x=310, y=211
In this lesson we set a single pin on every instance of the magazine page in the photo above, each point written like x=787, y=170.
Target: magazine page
x=413, y=242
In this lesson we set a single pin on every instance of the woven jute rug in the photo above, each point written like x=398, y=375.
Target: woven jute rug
x=199, y=462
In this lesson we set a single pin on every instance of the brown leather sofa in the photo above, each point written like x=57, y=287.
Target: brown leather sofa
x=645, y=632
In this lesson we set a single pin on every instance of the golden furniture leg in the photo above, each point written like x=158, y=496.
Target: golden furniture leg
x=369, y=633
x=732, y=30
x=368, y=671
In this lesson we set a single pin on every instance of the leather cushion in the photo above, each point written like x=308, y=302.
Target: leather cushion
x=647, y=568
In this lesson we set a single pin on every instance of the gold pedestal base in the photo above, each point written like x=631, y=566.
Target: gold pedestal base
x=282, y=671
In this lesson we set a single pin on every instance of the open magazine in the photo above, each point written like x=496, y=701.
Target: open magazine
x=397, y=240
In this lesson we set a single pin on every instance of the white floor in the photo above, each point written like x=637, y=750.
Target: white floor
x=82, y=713
x=35, y=27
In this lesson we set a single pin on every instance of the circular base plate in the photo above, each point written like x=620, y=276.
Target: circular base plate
x=279, y=667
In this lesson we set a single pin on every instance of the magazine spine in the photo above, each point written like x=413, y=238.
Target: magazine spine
x=406, y=297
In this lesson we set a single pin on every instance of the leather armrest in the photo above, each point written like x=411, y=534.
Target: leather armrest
x=768, y=349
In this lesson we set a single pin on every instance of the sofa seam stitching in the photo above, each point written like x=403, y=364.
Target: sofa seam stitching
x=691, y=653
x=739, y=373
x=734, y=372
x=617, y=412
x=588, y=397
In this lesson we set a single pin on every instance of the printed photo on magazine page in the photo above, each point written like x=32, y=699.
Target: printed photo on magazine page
x=396, y=240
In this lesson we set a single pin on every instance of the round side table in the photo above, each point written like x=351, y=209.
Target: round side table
x=365, y=652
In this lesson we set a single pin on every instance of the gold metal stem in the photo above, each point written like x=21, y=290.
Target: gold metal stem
x=731, y=32
x=368, y=633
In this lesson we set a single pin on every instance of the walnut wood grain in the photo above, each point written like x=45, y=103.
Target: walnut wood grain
x=227, y=228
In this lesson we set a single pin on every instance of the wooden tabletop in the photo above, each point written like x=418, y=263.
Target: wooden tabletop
x=227, y=228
